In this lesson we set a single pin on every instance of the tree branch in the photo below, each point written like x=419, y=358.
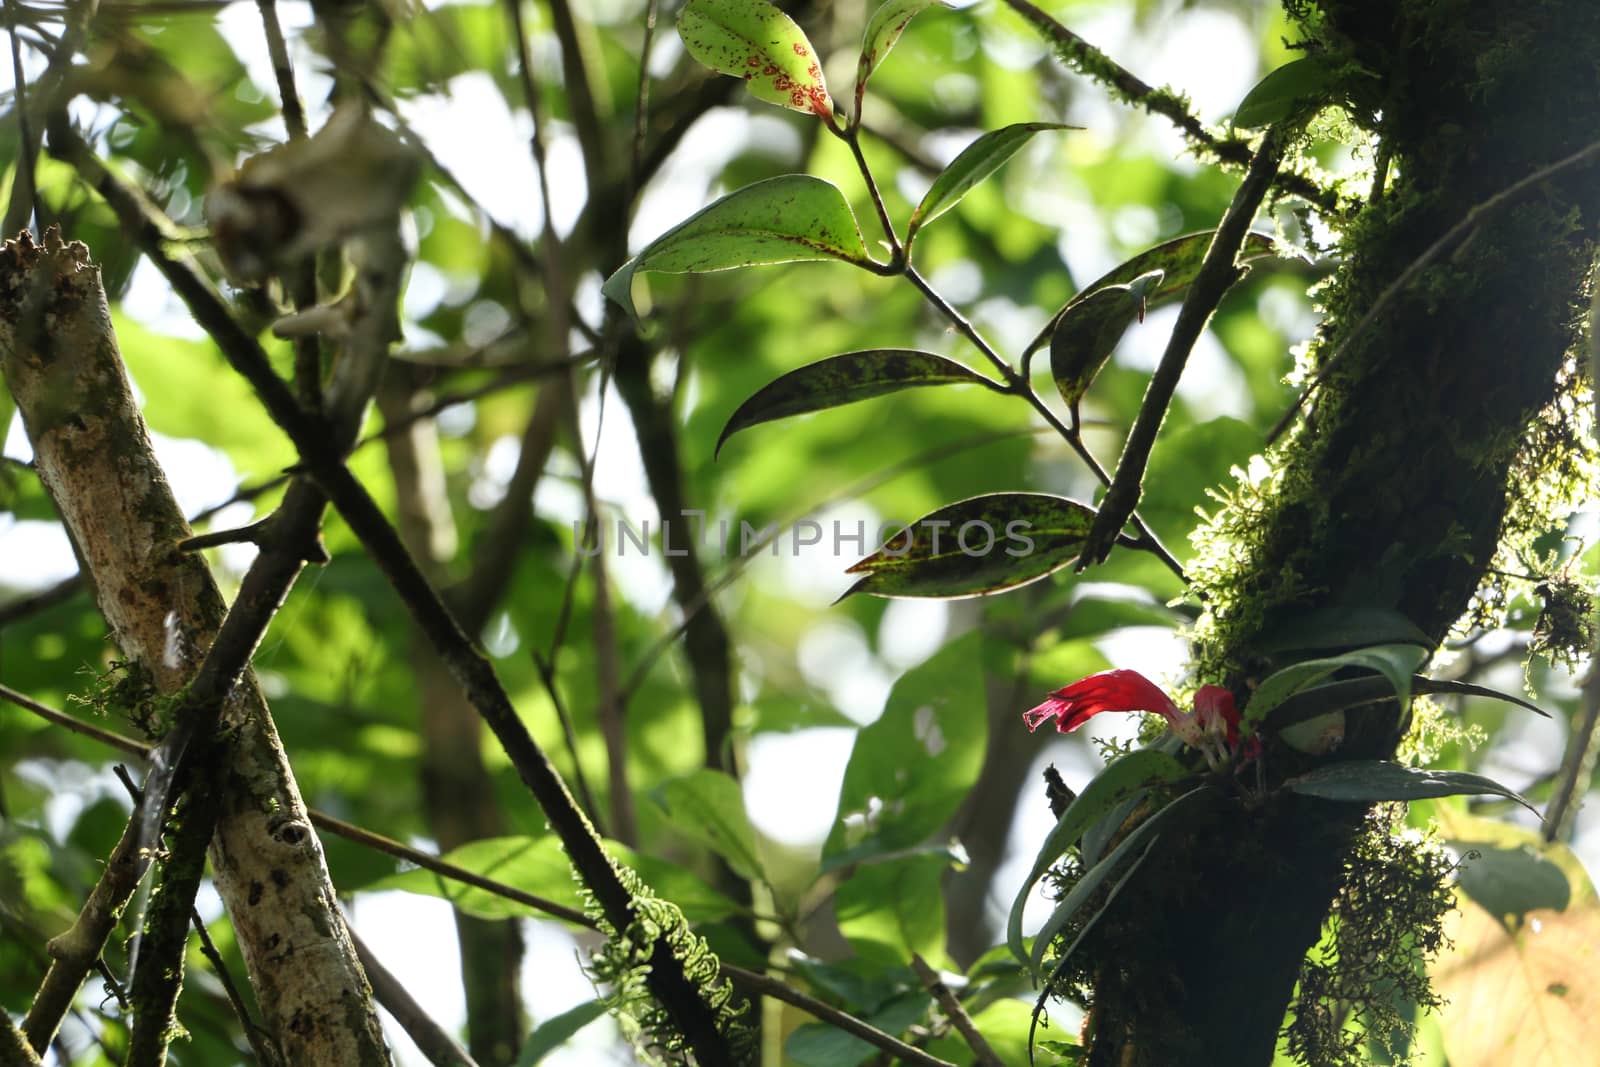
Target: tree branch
x=1217, y=274
x=1093, y=63
x=472, y=670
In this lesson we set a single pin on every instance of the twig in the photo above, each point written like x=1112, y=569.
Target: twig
x=26, y=191
x=33, y=603
x=158, y=977
x=641, y=112
x=432, y=1040
x=294, y=116
x=75, y=952
x=580, y=96
x=752, y=981
x=46, y=97
x=252, y=533
x=472, y=670
x=1468, y=223
x=14, y=1048
x=1217, y=273
x=1024, y=388
x=337, y=827
x=951, y=1006
x=734, y=569
x=260, y=1042
x=1577, y=765
x=1093, y=63
x=755, y=982
x=552, y=688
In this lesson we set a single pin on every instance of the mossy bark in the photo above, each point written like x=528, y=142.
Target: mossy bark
x=1393, y=497
x=60, y=360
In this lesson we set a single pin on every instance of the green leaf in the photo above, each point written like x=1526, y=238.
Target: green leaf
x=1285, y=90
x=708, y=806
x=1083, y=932
x=557, y=1030
x=1343, y=627
x=883, y=30
x=1089, y=329
x=976, y=162
x=1370, y=781
x=909, y=771
x=1317, y=700
x=820, y=1045
x=891, y=908
x=983, y=545
x=1124, y=777
x=753, y=40
x=1178, y=260
x=792, y=218
x=1086, y=887
x=845, y=379
x=1395, y=662
x=1511, y=881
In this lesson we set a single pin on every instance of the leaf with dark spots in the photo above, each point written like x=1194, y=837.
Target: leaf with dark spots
x=983, y=545
x=846, y=379
x=792, y=218
x=1089, y=330
x=753, y=40
x=1179, y=261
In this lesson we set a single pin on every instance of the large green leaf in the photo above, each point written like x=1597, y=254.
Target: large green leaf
x=557, y=1030
x=983, y=545
x=753, y=40
x=1292, y=86
x=1371, y=781
x=976, y=162
x=708, y=806
x=1511, y=881
x=884, y=28
x=891, y=908
x=846, y=379
x=1088, y=331
x=911, y=770
x=792, y=218
x=821, y=1045
x=1126, y=776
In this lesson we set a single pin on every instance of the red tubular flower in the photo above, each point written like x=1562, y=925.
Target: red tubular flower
x=1213, y=723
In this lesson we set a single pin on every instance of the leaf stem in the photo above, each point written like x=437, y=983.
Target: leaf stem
x=1020, y=386
x=851, y=135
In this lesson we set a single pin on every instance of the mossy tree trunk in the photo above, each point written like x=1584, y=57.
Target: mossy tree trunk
x=1394, y=496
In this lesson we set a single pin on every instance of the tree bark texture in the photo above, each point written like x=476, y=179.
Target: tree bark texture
x=1393, y=497
x=93, y=454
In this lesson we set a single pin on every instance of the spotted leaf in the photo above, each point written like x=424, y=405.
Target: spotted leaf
x=753, y=40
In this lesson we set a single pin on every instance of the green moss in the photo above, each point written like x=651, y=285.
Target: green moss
x=1366, y=981
x=622, y=965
